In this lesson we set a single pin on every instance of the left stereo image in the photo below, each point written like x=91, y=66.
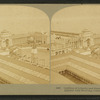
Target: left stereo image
x=24, y=45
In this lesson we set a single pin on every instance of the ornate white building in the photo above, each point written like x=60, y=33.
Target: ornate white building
x=62, y=42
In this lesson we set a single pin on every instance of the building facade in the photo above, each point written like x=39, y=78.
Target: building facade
x=64, y=42
x=40, y=38
x=8, y=39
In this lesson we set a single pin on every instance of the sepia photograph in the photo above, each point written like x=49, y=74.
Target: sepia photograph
x=24, y=45
x=75, y=45
x=49, y=49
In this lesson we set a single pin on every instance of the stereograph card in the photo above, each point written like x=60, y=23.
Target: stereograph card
x=49, y=49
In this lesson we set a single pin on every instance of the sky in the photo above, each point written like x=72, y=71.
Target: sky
x=77, y=18
x=23, y=19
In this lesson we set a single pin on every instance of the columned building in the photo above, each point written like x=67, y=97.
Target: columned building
x=40, y=38
x=62, y=42
x=37, y=37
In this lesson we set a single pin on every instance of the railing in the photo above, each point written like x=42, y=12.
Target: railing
x=77, y=77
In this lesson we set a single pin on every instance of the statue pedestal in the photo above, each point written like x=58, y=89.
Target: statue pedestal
x=34, y=51
x=88, y=49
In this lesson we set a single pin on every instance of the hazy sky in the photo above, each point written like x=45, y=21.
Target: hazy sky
x=22, y=19
x=77, y=18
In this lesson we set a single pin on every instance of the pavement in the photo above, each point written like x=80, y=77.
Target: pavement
x=22, y=73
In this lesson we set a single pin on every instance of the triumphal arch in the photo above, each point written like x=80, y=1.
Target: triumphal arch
x=5, y=39
x=87, y=38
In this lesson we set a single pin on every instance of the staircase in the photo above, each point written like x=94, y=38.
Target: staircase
x=83, y=68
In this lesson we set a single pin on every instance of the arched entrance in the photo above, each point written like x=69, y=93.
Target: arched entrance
x=6, y=39
x=87, y=38
x=88, y=42
x=6, y=43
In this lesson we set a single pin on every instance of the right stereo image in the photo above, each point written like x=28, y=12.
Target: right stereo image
x=75, y=45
